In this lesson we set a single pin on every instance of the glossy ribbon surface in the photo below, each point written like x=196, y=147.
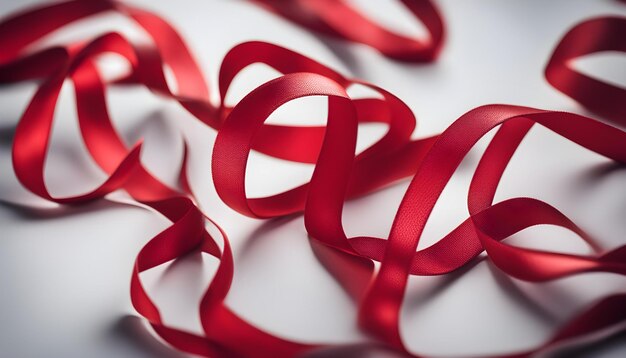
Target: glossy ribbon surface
x=340, y=173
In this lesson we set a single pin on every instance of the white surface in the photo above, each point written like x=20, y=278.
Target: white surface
x=65, y=272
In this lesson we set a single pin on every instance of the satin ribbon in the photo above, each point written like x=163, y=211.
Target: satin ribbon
x=592, y=36
x=340, y=173
x=339, y=19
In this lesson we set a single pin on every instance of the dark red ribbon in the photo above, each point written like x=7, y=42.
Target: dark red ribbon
x=339, y=172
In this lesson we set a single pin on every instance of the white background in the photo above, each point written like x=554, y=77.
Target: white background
x=64, y=272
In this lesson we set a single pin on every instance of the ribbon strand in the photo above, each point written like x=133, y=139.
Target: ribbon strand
x=339, y=172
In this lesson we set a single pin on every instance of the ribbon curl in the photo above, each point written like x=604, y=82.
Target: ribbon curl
x=339, y=174
x=339, y=19
x=589, y=37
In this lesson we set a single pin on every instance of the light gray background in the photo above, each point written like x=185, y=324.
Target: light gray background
x=64, y=272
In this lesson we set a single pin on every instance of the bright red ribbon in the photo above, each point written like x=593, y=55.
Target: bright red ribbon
x=591, y=36
x=337, y=18
x=339, y=172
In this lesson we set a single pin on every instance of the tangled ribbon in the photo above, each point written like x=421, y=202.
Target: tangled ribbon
x=339, y=172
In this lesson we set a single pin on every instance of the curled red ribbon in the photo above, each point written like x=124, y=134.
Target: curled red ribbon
x=339, y=19
x=339, y=172
x=591, y=36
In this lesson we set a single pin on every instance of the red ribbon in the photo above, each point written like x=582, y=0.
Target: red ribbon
x=592, y=36
x=338, y=19
x=339, y=172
